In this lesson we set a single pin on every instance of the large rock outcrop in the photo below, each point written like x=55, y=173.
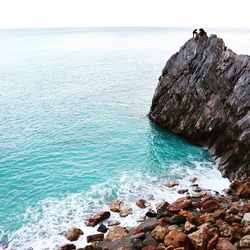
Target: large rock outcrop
x=203, y=94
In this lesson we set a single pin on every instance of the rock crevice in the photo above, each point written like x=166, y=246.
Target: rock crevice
x=203, y=95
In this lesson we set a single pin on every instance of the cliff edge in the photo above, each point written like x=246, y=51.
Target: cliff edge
x=203, y=94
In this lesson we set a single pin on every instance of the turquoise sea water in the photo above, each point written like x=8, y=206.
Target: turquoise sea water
x=74, y=132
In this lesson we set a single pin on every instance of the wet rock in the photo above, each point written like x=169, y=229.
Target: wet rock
x=177, y=219
x=125, y=211
x=182, y=191
x=102, y=229
x=148, y=225
x=67, y=247
x=193, y=179
x=3, y=244
x=162, y=207
x=150, y=242
x=225, y=244
x=172, y=183
x=151, y=213
x=123, y=243
x=244, y=243
x=179, y=204
x=141, y=219
x=199, y=194
x=140, y=236
x=203, y=95
x=246, y=219
x=141, y=203
x=210, y=204
x=137, y=244
x=95, y=237
x=201, y=237
x=241, y=188
x=116, y=233
x=177, y=239
x=113, y=223
x=73, y=234
x=96, y=218
x=159, y=233
x=115, y=206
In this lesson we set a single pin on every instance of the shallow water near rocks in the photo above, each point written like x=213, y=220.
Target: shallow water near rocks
x=74, y=132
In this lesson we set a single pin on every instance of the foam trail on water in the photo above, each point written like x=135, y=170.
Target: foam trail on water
x=46, y=223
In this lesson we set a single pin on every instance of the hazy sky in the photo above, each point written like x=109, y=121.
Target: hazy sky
x=82, y=13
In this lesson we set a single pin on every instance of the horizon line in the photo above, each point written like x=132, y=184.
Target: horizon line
x=120, y=27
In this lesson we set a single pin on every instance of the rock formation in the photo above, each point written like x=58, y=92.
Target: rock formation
x=203, y=95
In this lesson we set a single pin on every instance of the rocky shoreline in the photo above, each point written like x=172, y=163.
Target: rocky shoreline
x=200, y=220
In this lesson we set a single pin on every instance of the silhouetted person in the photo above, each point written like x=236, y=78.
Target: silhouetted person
x=202, y=32
x=195, y=33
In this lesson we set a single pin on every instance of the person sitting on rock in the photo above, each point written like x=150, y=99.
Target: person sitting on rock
x=202, y=32
x=195, y=33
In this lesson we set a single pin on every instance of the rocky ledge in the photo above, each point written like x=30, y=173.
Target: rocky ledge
x=203, y=95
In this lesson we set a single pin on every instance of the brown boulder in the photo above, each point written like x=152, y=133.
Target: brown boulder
x=115, y=206
x=179, y=204
x=192, y=217
x=172, y=183
x=95, y=237
x=219, y=214
x=73, y=234
x=113, y=223
x=159, y=233
x=177, y=239
x=141, y=203
x=241, y=188
x=209, y=204
x=162, y=207
x=116, y=233
x=96, y=218
x=67, y=247
x=225, y=244
x=125, y=211
x=201, y=237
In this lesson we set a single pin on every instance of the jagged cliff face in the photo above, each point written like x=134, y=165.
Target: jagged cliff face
x=203, y=94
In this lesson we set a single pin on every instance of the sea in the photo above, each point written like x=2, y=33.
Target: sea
x=74, y=131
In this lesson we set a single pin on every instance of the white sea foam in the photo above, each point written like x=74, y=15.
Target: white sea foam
x=51, y=217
